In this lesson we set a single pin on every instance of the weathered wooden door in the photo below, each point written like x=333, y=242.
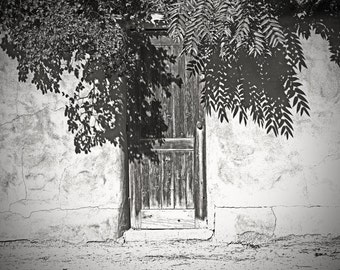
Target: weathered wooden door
x=171, y=193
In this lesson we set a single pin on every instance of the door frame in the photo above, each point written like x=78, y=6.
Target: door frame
x=199, y=170
x=199, y=185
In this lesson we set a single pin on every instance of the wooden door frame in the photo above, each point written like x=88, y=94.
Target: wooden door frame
x=199, y=171
x=200, y=191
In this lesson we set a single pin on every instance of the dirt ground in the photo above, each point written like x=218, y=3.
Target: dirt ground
x=309, y=252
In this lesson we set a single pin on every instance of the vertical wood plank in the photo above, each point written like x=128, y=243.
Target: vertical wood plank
x=172, y=105
x=138, y=186
x=196, y=108
x=146, y=174
x=183, y=180
x=177, y=179
x=172, y=185
x=167, y=102
x=177, y=70
x=190, y=88
x=154, y=185
x=182, y=92
x=190, y=179
x=135, y=203
x=167, y=180
x=160, y=180
x=199, y=202
x=200, y=205
x=180, y=181
x=132, y=195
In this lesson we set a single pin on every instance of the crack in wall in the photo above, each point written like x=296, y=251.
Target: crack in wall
x=278, y=206
x=22, y=158
x=63, y=227
x=31, y=114
x=326, y=158
x=214, y=221
x=23, y=201
x=275, y=221
x=305, y=188
x=59, y=209
x=22, y=171
x=12, y=203
x=22, y=115
x=16, y=100
x=60, y=182
x=276, y=181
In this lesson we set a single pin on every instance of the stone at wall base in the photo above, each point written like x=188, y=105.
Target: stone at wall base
x=258, y=225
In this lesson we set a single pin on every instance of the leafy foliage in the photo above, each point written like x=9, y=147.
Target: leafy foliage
x=250, y=53
x=94, y=41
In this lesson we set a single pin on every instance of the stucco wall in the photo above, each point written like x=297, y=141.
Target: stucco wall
x=47, y=191
x=258, y=186
x=262, y=185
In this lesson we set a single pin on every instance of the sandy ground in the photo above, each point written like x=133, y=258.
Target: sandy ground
x=310, y=252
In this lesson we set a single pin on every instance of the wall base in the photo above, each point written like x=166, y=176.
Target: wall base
x=69, y=225
x=261, y=224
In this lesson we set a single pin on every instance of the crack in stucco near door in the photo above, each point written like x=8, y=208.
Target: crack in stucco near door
x=214, y=221
x=60, y=209
x=22, y=171
x=31, y=114
x=275, y=221
x=305, y=188
x=23, y=182
x=16, y=100
x=278, y=206
x=22, y=115
x=60, y=182
x=22, y=158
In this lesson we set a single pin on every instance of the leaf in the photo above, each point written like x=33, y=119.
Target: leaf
x=296, y=99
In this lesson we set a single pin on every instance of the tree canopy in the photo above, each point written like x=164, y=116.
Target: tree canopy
x=249, y=53
x=98, y=42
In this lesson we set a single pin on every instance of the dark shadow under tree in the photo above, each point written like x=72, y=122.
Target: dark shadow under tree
x=102, y=45
x=248, y=51
x=250, y=54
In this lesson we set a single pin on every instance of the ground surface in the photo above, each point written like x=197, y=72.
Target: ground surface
x=292, y=253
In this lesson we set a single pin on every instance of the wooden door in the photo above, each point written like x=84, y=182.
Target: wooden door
x=171, y=193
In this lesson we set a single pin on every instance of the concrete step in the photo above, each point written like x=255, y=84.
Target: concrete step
x=167, y=235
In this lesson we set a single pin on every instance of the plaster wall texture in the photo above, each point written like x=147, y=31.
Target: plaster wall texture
x=47, y=192
x=271, y=186
x=258, y=186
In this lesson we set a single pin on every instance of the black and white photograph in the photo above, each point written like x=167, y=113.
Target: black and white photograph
x=169, y=134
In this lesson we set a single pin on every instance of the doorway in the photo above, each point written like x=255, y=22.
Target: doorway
x=170, y=192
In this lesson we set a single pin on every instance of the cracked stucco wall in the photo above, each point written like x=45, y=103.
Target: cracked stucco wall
x=259, y=185
x=47, y=192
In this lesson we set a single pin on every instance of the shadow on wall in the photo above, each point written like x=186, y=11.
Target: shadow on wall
x=95, y=110
x=145, y=117
x=260, y=81
x=144, y=107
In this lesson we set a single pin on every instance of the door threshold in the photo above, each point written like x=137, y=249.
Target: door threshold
x=167, y=235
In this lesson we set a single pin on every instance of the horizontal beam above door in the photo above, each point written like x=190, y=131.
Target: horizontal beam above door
x=174, y=144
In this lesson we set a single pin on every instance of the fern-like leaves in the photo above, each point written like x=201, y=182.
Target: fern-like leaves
x=250, y=53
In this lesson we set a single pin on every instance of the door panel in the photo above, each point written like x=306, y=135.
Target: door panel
x=165, y=219
x=166, y=194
